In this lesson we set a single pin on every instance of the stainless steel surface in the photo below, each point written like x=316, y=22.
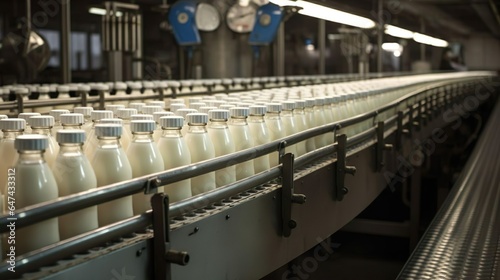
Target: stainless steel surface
x=463, y=240
x=66, y=41
x=279, y=51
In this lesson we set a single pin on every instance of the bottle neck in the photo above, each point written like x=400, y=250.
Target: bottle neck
x=309, y=109
x=72, y=126
x=298, y=111
x=217, y=124
x=31, y=157
x=142, y=136
x=238, y=121
x=197, y=128
x=41, y=130
x=256, y=118
x=286, y=113
x=74, y=149
x=11, y=134
x=109, y=142
x=272, y=115
x=171, y=132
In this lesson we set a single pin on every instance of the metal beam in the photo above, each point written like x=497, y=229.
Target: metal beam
x=66, y=41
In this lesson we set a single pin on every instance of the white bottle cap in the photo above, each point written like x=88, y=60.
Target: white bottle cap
x=85, y=88
x=215, y=103
x=273, y=107
x=12, y=124
x=63, y=88
x=218, y=114
x=137, y=105
x=151, y=109
x=26, y=116
x=197, y=118
x=157, y=103
x=101, y=114
x=258, y=110
x=125, y=113
x=70, y=136
x=176, y=106
x=74, y=118
x=86, y=111
x=191, y=100
x=288, y=105
x=57, y=113
x=42, y=121
x=114, y=107
x=134, y=85
x=21, y=90
x=100, y=87
x=43, y=89
x=31, y=142
x=148, y=84
x=310, y=102
x=120, y=86
x=141, y=117
x=239, y=112
x=172, y=121
x=226, y=106
x=174, y=84
x=329, y=100
x=319, y=101
x=142, y=126
x=300, y=104
x=205, y=109
x=158, y=115
x=183, y=112
x=3, y=117
x=108, y=130
x=112, y=121
x=197, y=105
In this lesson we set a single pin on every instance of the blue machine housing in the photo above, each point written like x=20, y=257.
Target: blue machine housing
x=263, y=35
x=182, y=19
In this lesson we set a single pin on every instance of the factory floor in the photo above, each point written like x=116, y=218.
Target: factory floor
x=355, y=256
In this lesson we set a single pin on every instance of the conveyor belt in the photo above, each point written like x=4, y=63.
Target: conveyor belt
x=463, y=240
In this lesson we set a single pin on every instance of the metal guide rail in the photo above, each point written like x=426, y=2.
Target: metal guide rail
x=278, y=190
x=16, y=100
x=463, y=240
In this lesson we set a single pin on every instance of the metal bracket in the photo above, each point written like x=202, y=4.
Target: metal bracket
x=422, y=114
x=400, y=131
x=152, y=186
x=341, y=168
x=381, y=147
x=163, y=256
x=287, y=195
x=83, y=96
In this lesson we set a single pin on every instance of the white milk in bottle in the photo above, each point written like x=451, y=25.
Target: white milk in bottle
x=125, y=114
x=275, y=127
x=74, y=174
x=301, y=123
x=43, y=125
x=183, y=113
x=201, y=148
x=144, y=158
x=26, y=117
x=34, y=184
x=320, y=119
x=260, y=135
x=111, y=165
x=242, y=139
x=223, y=144
x=311, y=123
x=289, y=123
x=11, y=129
x=175, y=153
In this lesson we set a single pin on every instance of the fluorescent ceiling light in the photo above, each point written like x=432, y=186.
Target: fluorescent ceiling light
x=329, y=14
x=102, y=12
x=428, y=40
x=392, y=47
x=398, y=32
